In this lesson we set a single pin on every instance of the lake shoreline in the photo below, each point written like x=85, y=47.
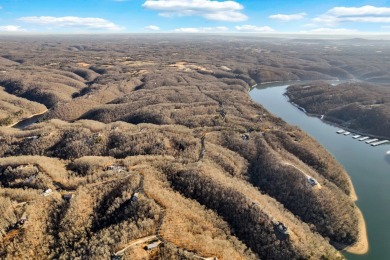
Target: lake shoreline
x=360, y=247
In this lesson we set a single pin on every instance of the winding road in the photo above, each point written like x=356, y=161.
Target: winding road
x=306, y=175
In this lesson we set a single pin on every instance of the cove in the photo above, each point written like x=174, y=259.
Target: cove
x=368, y=167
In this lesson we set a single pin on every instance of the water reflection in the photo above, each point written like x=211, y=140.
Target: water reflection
x=387, y=158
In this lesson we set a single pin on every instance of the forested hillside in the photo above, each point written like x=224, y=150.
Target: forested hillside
x=151, y=148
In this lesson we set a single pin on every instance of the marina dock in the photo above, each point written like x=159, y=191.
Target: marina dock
x=380, y=142
x=371, y=141
x=367, y=139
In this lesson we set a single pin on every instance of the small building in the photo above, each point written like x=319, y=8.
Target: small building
x=245, y=137
x=34, y=137
x=312, y=181
x=281, y=231
x=67, y=197
x=116, y=168
x=23, y=219
x=22, y=166
x=30, y=179
x=48, y=192
x=202, y=153
x=152, y=246
x=134, y=198
x=282, y=228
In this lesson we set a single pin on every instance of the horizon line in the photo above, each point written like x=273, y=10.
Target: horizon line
x=254, y=34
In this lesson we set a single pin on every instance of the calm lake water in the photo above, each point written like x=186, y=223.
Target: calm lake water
x=369, y=167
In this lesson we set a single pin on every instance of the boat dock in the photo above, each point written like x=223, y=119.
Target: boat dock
x=367, y=139
x=371, y=141
x=380, y=142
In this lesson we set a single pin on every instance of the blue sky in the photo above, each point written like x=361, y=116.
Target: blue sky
x=195, y=16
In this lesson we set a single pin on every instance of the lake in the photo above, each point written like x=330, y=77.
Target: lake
x=368, y=167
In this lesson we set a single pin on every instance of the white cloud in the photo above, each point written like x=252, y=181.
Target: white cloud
x=364, y=14
x=11, y=28
x=71, y=21
x=230, y=11
x=325, y=30
x=254, y=28
x=217, y=29
x=152, y=28
x=363, y=10
x=288, y=17
x=188, y=30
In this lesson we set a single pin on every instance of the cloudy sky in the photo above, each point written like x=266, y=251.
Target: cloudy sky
x=195, y=16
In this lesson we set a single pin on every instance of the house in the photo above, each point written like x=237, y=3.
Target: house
x=312, y=181
x=281, y=231
x=135, y=197
x=47, y=192
x=116, y=168
x=245, y=137
x=153, y=245
x=30, y=179
x=34, y=137
x=23, y=219
x=67, y=197
x=282, y=228
x=202, y=153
